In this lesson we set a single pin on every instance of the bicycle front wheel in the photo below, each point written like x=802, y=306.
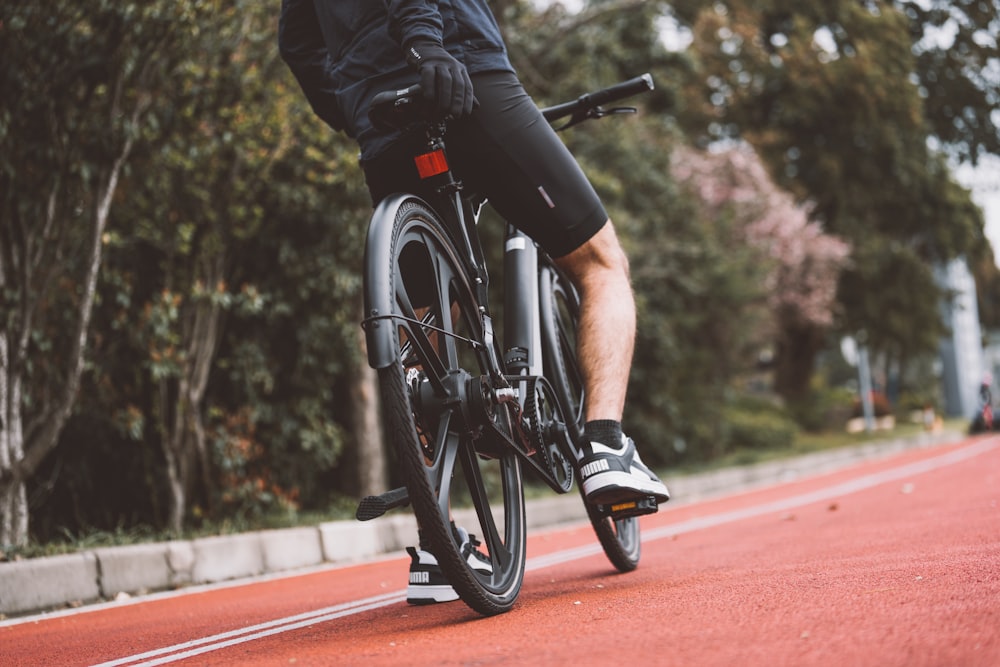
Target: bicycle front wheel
x=560, y=312
x=437, y=413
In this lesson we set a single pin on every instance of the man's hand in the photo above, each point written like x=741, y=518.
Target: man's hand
x=445, y=81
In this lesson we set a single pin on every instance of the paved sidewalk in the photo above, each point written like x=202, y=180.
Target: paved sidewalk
x=41, y=585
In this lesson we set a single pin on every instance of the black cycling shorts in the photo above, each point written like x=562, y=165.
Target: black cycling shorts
x=507, y=152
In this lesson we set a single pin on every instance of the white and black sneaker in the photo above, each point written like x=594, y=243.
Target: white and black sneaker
x=428, y=584
x=611, y=475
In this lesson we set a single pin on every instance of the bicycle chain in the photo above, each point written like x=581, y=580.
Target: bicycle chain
x=557, y=464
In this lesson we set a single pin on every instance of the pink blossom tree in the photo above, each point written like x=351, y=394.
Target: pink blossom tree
x=802, y=262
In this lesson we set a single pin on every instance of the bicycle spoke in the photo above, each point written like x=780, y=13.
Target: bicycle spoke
x=443, y=471
x=438, y=446
x=418, y=338
x=499, y=553
x=448, y=345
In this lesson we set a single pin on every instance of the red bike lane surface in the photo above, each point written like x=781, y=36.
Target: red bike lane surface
x=895, y=562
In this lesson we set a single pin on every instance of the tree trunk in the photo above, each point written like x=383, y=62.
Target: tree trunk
x=795, y=361
x=13, y=495
x=201, y=354
x=188, y=461
x=178, y=497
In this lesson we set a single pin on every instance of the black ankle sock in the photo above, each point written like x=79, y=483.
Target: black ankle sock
x=605, y=431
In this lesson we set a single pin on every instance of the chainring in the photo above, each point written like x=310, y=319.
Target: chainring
x=545, y=428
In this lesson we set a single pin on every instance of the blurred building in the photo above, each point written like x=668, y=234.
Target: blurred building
x=962, y=360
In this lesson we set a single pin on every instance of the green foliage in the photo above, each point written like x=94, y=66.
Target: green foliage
x=823, y=408
x=76, y=78
x=251, y=179
x=838, y=99
x=237, y=201
x=757, y=427
x=889, y=288
x=960, y=98
x=78, y=81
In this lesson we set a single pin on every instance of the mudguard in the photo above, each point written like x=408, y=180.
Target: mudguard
x=379, y=334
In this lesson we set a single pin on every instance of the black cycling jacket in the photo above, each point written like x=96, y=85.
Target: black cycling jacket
x=343, y=52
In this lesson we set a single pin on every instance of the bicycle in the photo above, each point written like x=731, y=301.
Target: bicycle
x=465, y=416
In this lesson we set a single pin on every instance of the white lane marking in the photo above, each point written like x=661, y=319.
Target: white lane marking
x=233, y=637
x=204, y=645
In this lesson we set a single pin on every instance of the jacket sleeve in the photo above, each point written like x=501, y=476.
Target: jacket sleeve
x=412, y=20
x=301, y=45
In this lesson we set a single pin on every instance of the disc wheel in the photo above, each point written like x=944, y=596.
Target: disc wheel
x=560, y=311
x=433, y=411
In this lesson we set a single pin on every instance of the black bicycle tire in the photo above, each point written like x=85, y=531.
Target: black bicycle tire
x=620, y=539
x=416, y=224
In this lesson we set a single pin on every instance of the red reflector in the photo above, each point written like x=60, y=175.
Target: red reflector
x=431, y=164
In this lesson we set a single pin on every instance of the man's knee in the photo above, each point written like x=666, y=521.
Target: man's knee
x=602, y=256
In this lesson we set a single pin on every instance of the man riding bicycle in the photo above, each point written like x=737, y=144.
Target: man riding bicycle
x=344, y=52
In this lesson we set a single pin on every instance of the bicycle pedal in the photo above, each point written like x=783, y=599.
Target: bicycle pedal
x=373, y=507
x=630, y=508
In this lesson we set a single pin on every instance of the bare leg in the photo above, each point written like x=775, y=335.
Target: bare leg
x=610, y=468
x=606, y=332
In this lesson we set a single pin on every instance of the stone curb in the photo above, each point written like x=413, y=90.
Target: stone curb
x=43, y=584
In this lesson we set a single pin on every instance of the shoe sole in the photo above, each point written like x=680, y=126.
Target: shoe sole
x=615, y=487
x=421, y=595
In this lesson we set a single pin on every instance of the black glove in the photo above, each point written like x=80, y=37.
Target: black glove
x=445, y=81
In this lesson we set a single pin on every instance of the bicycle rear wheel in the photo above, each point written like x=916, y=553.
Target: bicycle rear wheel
x=560, y=311
x=438, y=415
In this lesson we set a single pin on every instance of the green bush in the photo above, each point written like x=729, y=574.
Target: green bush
x=824, y=408
x=759, y=429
